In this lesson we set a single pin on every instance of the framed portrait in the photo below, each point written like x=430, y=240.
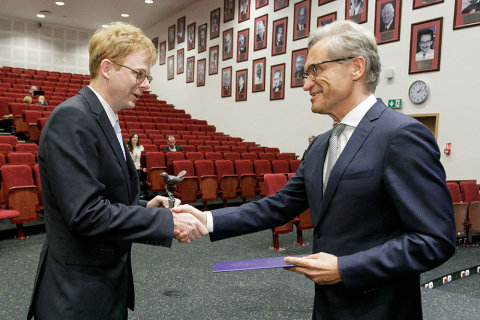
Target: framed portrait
x=467, y=14
x=171, y=37
x=201, y=72
x=260, y=32
x=227, y=82
x=191, y=36
x=180, y=53
x=171, y=67
x=243, y=10
x=163, y=52
x=320, y=2
x=388, y=14
x=260, y=3
x=279, y=4
x=356, y=10
x=227, y=44
x=425, y=46
x=258, y=74
x=298, y=63
x=301, y=20
x=277, y=82
x=425, y=3
x=228, y=10
x=214, y=23
x=242, y=45
x=202, y=38
x=241, y=88
x=181, y=30
x=279, y=36
x=190, y=69
x=326, y=19
x=213, y=65
x=155, y=43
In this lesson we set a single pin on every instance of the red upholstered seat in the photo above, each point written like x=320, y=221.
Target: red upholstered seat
x=19, y=158
x=231, y=156
x=187, y=190
x=247, y=179
x=155, y=162
x=471, y=195
x=227, y=180
x=460, y=210
x=207, y=181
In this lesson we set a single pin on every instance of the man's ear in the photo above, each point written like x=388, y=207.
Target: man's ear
x=358, y=68
x=105, y=68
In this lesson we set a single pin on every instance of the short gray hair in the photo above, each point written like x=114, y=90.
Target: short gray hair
x=348, y=39
x=170, y=137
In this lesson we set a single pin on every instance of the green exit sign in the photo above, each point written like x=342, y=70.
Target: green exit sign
x=395, y=103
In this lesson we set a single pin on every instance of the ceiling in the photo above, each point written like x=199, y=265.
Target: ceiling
x=91, y=14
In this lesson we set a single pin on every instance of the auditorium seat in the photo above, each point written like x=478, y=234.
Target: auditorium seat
x=31, y=118
x=220, y=138
x=155, y=162
x=280, y=166
x=194, y=156
x=262, y=167
x=148, y=126
x=189, y=148
x=255, y=150
x=229, y=143
x=5, y=149
x=240, y=150
x=204, y=148
x=38, y=183
x=173, y=156
x=20, y=195
x=284, y=156
x=27, y=148
x=273, y=183
x=267, y=156
x=247, y=179
x=294, y=164
x=10, y=139
x=19, y=158
x=207, y=181
x=213, y=156
x=471, y=195
x=187, y=190
x=249, y=156
x=227, y=180
x=231, y=156
x=222, y=149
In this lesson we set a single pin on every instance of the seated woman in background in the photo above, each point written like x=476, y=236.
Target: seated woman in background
x=41, y=101
x=135, y=149
x=32, y=90
x=28, y=100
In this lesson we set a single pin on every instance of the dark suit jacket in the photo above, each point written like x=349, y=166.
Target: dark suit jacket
x=259, y=38
x=471, y=7
x=382, y=25
x=178, y=148
x=386, y=214
x=92, y=215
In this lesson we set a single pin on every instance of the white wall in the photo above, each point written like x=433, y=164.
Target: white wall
x=23, y=44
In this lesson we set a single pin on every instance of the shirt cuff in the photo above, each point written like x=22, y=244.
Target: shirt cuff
x=209, y=221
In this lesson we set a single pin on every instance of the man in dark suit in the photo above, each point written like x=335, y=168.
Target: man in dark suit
x=279, y=35
x=381, y=215
x=299, y=62
x=387, y=22
x=171, y=145
x=241, y=84
x=277, y=81
x=474, y=6
x=260, y=31
x=302, y=18
x=91, y=189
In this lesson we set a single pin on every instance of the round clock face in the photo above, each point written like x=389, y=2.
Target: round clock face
x=419, y=91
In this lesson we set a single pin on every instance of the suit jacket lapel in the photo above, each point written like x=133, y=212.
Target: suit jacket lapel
x=321, y=149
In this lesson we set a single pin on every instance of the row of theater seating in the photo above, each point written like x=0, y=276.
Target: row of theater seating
x=32, y=72
x=466, y=207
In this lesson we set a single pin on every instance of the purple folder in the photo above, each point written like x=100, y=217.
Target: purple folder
x=239, y=265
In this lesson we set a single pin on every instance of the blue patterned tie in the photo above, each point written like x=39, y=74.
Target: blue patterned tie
x=118, y=132
x=333, y=150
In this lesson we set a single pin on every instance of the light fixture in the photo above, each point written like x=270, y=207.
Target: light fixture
x=105, y=26
x=148, y=1
x=125, y=15
x=60, y=3
x=41, y=15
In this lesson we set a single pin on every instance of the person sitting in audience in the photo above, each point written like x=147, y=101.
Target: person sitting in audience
x=41, y=101
x=32, y=90
x=310, y=139
x=171, y=145
x=27, y=100
x=135, y=149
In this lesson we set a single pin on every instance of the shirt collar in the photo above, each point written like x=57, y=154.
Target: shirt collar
x=112, y=116
x=354, y=117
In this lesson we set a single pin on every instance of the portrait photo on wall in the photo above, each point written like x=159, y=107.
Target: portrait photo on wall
x=190, y=69
x=215, y=23
x=227, y=82
x=202, y=38
x=191, y=36
x=320, y=2
x=279, y=4
x=356, y=10
x=258, y=74
x=425, y=3
x=171, y=37
x=213, y=65
x=180, y=61
x=261, y=3
x=326, y=19
x=279, y=36
x=228, y=10
x=171, y=67
x=181, y=30
x=260, y=32
x=241, y=88
x=425, y=46
x=201, y=72
x=242, y=52
x=163, y=52
x=467, y=13
x=277, y=82
x=243, y=10
x=298, y=63
x=301, y=23
x=227, y=44
x=387, y=20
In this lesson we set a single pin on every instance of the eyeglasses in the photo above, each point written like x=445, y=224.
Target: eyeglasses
x=141, y=75
x=311, y=72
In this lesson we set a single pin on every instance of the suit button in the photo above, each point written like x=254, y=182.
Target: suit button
x=318, y=234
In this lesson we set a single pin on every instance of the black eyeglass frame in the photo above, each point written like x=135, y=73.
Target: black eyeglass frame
x=313, y=75
x=138, y=72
